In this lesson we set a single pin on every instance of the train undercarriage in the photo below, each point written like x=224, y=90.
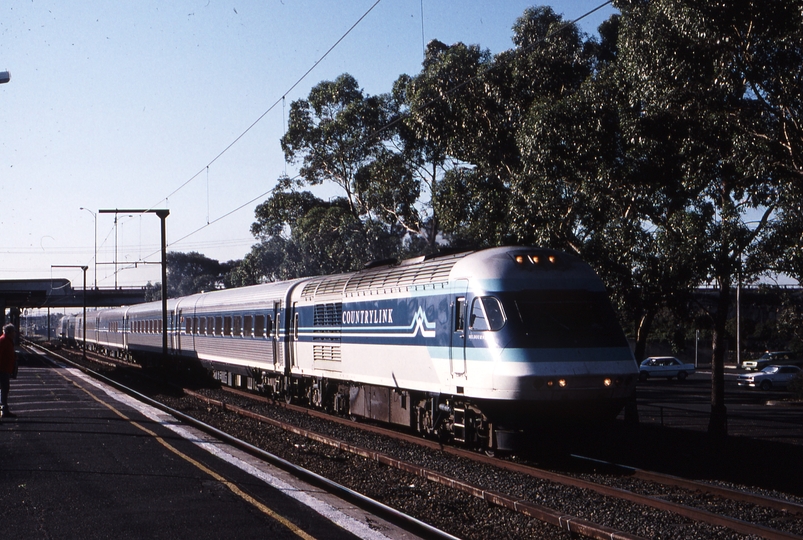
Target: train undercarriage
x=434, y=416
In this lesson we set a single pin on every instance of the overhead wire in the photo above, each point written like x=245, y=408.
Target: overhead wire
x=479, y=76
x=280, y=100
x=448, y=93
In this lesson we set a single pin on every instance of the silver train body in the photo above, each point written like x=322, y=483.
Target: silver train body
x=479, y=346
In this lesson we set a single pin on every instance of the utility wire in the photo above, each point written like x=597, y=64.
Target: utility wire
x=280, y=100
x=479, y=76
x=380, y=130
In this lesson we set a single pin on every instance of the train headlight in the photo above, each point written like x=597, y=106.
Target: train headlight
x=520, y=259
x=562, y=383
x=607, y=381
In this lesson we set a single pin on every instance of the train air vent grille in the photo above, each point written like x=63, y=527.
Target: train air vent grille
x=328, y=314
x=329, y=353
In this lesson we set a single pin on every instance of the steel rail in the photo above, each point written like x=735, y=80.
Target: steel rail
x=692, y=513
x=570, y=524
x=693, y=485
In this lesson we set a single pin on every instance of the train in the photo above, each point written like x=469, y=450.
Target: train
x=479, y=347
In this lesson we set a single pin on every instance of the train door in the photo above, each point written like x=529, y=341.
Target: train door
x=459, y=330
x=273, y=334
x=179, y=328
x=293, y=335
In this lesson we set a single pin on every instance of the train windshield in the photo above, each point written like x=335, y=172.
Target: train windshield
x=554, y=319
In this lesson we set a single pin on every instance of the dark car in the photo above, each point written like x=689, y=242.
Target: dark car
x=775, y=358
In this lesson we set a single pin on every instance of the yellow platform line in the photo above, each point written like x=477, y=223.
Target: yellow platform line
x=236, y=490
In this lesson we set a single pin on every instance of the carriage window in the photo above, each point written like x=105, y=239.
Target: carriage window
x=202, y=325
x=487, y=314
x=459, y=314
x=237, y=326
x=259, y=326
x=218, y=326
x=188, y=327
x=226, y=326
x=159, y=326
x=248, y=326
x=195, y=325
x=269, y=328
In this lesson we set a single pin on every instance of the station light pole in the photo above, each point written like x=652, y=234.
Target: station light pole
x=95, y=217
x=84, y=268
x=162, y=213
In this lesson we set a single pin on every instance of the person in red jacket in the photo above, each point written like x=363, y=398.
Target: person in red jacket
x=8, y=363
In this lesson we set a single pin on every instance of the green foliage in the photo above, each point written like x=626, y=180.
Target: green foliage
x=190, y=273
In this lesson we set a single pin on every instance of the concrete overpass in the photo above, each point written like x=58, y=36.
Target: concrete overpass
x=19, y=294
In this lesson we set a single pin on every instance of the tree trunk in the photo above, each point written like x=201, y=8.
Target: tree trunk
x=642, y=333
x=718, y=422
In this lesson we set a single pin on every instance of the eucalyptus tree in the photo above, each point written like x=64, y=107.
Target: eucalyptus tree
x=466, y=109
x=302, y=235
x=341, y=136
x=690, y=86
x=446, y=120
x=775, y=70
x=190, y=273
x=332, y=135
x=267, y=261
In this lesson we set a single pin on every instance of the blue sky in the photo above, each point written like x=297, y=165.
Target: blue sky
x=119, y=104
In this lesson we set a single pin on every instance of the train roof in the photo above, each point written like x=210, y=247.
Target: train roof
x=256, y=295
x=522, y=267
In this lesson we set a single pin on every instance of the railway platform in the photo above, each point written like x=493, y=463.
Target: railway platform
x=82, y=460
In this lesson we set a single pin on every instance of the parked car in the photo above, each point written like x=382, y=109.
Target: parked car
x=664, y=366
x=775, y=358
x=769, y=377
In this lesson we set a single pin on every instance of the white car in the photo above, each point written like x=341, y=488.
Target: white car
x=664, y=367
x=769, y=377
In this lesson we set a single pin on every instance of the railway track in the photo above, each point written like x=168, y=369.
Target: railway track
x=641, y=484
x=619, y=503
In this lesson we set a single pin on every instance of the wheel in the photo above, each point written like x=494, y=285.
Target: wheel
x=682, y=376
x=765, y=385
